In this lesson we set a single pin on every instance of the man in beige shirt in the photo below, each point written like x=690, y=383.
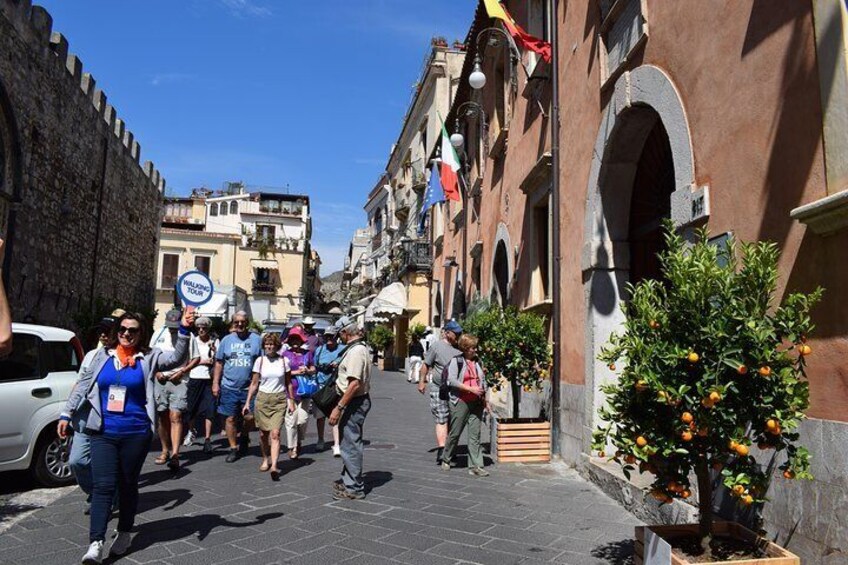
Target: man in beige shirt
x=353, y=382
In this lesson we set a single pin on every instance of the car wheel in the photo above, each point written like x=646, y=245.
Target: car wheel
x=50, y=465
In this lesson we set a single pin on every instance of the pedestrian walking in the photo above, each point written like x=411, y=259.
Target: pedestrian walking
x=231, y=378
x=313, y=340
x=326, y=361
x=301, y=362
x=271, y=388
x=201, y=402
x=353, y=382
x=435, y=360
x=416, y=358
x=467, y=383
x=119, y=387
x=79, y=457
x=171, y=395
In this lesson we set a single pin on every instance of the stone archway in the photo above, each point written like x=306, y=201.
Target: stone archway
x=502, y=268
x=645, y=121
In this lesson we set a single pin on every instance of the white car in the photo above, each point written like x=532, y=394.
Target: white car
x=35, y=382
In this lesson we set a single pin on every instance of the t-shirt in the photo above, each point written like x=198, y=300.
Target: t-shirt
x=324, y=357
x=355, y=364
x=416, y=349
x=272, y=373
x=163, y=341
x=298, y=358
x=205, y=350
x=133, y=420
x=437, y=358
x=238, y=356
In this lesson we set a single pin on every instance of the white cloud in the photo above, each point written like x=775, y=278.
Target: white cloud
x=245, y=8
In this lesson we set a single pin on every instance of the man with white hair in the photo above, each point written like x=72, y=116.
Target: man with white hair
x=353, y=382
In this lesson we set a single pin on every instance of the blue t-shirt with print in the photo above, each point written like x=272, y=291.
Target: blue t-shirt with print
x=324, y=356
x=238, y=356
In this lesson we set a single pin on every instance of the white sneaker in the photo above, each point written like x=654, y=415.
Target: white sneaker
x=121, y=543
x=337, y=452
x=94, y=555
x=320, y=446
x=189, y=439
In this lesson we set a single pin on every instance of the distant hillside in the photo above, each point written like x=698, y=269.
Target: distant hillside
x=331, y=286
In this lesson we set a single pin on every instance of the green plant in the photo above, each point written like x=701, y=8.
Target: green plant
x=381, y=337
x=416, y=332
x=708, y=367
x=255, y=326
x=513, y=347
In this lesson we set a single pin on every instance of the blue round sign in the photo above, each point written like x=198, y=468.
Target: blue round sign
x=195, y=288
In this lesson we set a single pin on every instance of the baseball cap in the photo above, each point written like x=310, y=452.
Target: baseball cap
x=173, y=318
x=453, y=326
x=104, y=326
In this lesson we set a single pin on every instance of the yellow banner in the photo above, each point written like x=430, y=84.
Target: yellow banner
x=495, y=10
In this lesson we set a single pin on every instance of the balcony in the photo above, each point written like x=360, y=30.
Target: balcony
x=263, y=287
x=376, y=242
x=415, y=256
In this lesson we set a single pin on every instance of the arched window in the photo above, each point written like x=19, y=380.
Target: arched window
x=233, y=207
x=224, y=208
x=213, y=209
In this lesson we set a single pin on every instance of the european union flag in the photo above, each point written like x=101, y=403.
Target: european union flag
x=433, y=196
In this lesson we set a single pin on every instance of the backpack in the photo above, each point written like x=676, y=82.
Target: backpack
x=444, y=389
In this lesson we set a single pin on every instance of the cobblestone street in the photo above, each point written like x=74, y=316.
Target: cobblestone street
x=213, y=512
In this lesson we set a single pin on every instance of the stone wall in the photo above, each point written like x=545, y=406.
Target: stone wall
x=84, y=216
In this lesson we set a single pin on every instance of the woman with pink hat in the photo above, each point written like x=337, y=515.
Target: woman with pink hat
x=301, y=361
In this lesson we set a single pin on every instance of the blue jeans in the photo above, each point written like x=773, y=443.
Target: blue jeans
x=116, y=463
x=79, y=458
x=352, y=446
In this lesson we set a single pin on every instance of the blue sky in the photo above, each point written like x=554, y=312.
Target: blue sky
x=272, y=92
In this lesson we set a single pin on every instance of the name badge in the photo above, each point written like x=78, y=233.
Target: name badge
x=117, y=398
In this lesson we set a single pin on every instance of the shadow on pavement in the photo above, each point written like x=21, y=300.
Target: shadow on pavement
x=616, y=553
x=168, y=499
x=376, y=479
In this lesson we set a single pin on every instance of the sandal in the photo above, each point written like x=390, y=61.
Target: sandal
x=264, y=467
x=292, y=453
x=162, y=459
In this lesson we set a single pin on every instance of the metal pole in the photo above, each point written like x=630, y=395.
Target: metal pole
x=555, y=198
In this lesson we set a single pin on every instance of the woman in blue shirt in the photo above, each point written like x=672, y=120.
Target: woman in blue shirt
x=119, y=387
x=326, y=361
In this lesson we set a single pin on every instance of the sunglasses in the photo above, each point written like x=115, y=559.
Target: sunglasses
x=240, y=323
x=129, y=331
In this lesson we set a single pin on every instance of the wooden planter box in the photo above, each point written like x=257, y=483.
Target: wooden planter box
x=775, y=555
x=522, y=441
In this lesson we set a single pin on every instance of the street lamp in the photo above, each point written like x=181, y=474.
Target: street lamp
x=467, y=109
x=477, y=78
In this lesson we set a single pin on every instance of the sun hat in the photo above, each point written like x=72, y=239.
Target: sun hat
x=172, y=318
x=296, y=332
x=308, y=321
x=453, y=326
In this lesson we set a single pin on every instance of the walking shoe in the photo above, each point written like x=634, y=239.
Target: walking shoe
x=207, y=446
x=244, y=443
x=94, y=555
x=445, y=466
x=189, y=439
x=121, y=543
x=232, y=456
x=439, y=453
x=478, y=472
x=275, y=475
x=337, y=452
x=174, y=463
x=338, y=486
x=87, y=510
x=320, y=445
x=345, y=494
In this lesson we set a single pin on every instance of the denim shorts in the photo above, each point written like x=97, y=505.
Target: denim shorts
x=231, y=401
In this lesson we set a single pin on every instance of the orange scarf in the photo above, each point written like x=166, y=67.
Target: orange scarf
x=126, y=355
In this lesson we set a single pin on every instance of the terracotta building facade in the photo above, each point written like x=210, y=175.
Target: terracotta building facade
x=723, y=115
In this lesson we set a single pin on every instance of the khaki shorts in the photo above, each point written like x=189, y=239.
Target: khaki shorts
x=172, y=396
x=270, y=410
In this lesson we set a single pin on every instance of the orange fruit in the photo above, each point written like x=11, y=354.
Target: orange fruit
x=747, y=500
x=733, y=445
x=742, y=450
x=601, y=454
x=629, y=459
x=742, y=369
x=674, y=487
x=805, y=349
x=787, y=474
x=641, y=441
x=771, y=424
x=707, y=403
x=641, y=385
x=776, y=431
x=686, y=493
x=686, y=436
x=715, y=397
x=612, y=366
x=693, y=357
x=765, y=371
x=653, y=324
x=738, y=490
x=686, y=417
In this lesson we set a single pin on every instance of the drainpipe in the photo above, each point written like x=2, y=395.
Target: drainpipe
x=555, y=199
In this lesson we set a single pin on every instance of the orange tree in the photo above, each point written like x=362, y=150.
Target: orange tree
x=513, y=348
x=708, y=367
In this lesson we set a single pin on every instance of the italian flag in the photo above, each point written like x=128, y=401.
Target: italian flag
x=449, y=169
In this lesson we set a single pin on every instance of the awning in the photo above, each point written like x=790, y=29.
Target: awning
x=216, y=308
x=263, y=263
x=390, y=302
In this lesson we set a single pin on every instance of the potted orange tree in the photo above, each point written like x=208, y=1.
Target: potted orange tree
x=516, y=353
x=708, y=367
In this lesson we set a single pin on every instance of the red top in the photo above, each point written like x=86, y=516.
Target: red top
x=471, y=379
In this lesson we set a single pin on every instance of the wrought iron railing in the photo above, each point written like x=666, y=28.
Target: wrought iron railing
x=415, y=256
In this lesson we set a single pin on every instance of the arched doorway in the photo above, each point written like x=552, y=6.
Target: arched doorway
x=642, y=171
x=437, y=309
x=500, y=275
